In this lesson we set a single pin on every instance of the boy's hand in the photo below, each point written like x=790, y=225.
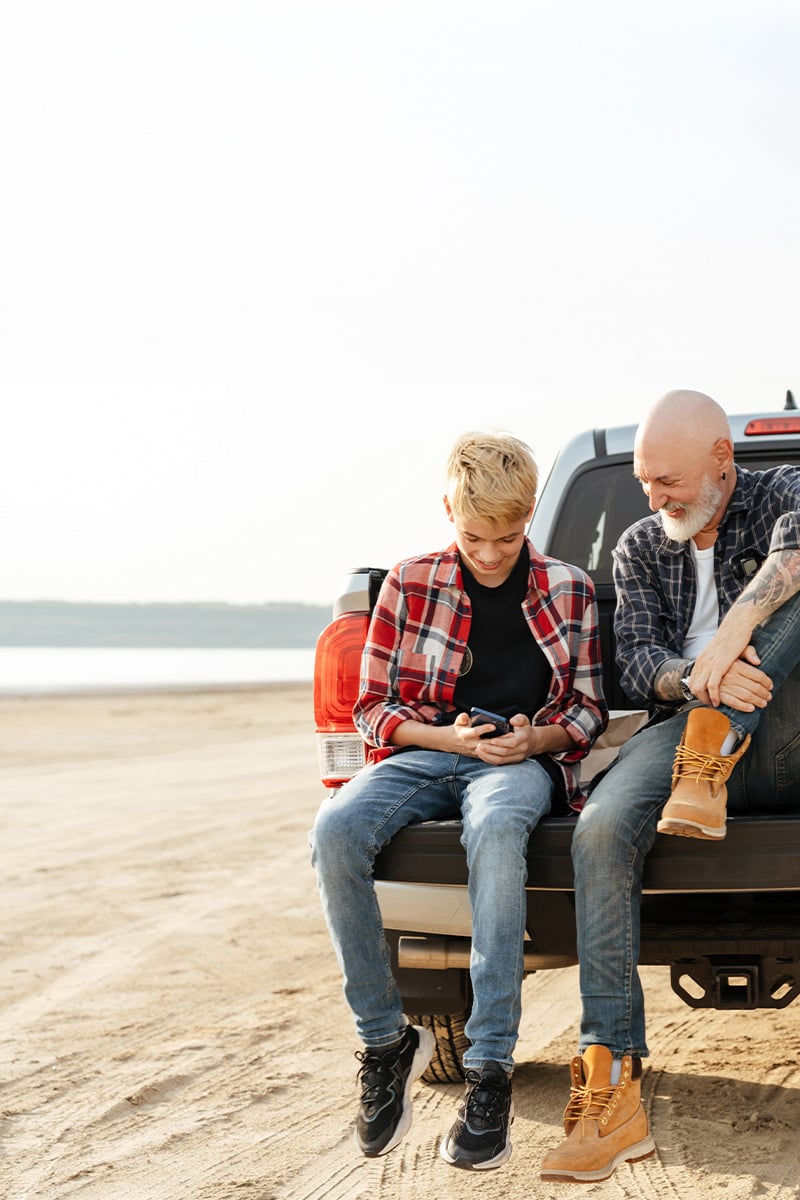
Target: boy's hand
x=509, y=748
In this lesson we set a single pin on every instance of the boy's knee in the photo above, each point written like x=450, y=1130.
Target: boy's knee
x=331, y=834
x=497, y=832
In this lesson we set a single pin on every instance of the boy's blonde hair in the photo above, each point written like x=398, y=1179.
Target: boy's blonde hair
x=491, y=477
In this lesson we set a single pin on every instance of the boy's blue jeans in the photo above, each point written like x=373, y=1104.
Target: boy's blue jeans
x=617, y=828
x=498, y=807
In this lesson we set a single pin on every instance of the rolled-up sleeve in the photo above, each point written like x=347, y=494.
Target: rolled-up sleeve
x=379, y=708
x=414, y=647
x=584, y=712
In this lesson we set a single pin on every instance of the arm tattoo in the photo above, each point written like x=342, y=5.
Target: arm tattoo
x=667, y=683
x=775, y=583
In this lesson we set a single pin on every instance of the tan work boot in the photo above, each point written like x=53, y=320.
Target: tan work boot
x=698, y=804
x=605, y=1123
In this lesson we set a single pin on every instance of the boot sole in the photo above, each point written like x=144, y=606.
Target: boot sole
x=690, y=829
x=644, y=1149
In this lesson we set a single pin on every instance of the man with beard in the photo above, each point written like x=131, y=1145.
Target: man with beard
x=708, y=637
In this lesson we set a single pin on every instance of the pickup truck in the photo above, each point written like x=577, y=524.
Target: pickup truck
x=724, y=917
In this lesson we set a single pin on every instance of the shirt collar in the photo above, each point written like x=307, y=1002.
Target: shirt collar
x=449, y=568
x=741, y=498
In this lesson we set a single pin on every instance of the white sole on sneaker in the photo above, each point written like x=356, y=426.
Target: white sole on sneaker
x=422, y=1056
x=492, y=1163
x=497, y=1161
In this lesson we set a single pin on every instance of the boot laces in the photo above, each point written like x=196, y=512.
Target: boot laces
x=591, y=1103
x=691, y=764
x=378, y=1074
x=487, y=1098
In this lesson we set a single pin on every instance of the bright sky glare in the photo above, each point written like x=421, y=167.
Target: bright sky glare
x=262, y=261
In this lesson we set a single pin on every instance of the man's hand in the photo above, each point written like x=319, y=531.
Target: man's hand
x=727, y=671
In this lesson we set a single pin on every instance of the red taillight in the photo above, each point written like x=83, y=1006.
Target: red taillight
x=337, y=668
x=764, y=426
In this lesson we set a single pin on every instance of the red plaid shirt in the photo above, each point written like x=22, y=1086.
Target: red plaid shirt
x=418, y=635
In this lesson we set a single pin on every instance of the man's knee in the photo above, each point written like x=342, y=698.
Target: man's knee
x=595, y=833
x=607, y=825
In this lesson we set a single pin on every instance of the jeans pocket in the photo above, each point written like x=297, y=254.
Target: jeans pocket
x=787, y=775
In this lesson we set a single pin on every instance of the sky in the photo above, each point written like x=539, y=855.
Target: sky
x=262, y=261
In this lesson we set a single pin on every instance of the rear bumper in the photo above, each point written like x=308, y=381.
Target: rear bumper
x=760, y=853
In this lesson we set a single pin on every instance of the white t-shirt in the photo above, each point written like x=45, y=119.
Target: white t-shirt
x=705, y=619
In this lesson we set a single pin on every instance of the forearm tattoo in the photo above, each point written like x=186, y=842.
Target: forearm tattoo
x=667, y=683
x=775, y=583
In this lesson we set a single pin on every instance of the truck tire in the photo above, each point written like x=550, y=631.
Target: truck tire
x=451, y=1042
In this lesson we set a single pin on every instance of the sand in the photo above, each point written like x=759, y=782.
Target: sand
x=172, y=1025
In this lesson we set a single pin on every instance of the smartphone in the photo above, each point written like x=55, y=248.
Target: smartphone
x=482, y=716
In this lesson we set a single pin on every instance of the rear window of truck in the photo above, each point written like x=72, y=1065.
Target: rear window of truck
x=603, y=500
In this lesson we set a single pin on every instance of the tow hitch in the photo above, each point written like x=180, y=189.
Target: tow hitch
x=736, y=982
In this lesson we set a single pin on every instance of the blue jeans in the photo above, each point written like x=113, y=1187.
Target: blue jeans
x=617, y=828
x=498, y=807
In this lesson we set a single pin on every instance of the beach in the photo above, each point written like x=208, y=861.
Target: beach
x=171, y=1018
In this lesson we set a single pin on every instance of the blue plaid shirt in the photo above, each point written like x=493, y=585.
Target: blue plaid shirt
x=655, y=578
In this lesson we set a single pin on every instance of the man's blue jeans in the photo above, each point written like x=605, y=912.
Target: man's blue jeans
x=498, y=807
x=617, y=828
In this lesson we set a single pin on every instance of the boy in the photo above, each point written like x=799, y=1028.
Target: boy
x=486, y=622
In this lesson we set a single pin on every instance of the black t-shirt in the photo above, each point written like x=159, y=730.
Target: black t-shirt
x=504, y=669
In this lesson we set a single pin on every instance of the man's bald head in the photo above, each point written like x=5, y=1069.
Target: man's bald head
x=683, y=456
x=692, y=419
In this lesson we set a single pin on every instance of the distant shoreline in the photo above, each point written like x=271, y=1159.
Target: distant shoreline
x=61, y=623
x=148, y=689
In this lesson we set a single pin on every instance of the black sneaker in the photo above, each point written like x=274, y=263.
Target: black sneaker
x=384, y=1117
x=479, y=1138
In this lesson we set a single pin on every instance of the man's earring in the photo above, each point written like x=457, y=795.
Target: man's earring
x=723, y=474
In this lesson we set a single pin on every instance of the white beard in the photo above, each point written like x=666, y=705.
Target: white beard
x=696, y=516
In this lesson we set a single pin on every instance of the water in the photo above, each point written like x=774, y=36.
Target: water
x=78, y=668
